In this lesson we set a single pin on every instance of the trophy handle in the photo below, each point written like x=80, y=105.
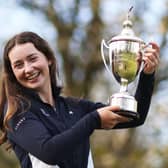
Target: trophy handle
x=103, y=43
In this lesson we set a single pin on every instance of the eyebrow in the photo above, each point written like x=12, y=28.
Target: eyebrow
x=30, y=55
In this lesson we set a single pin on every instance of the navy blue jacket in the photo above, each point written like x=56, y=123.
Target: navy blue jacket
x=61, y=136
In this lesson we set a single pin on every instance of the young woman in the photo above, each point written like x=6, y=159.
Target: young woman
x=45, y=129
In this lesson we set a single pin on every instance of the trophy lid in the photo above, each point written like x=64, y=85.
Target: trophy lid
x=127, y=33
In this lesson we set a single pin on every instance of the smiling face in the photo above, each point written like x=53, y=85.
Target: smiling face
x=30, y=67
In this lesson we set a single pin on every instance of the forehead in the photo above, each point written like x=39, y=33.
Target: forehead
x=20, y=51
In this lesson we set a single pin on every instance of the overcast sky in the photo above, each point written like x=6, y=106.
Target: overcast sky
x=14, y=19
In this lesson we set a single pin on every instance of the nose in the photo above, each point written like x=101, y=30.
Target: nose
x=28, y=68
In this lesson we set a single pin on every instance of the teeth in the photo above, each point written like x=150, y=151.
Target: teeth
x=33, y=76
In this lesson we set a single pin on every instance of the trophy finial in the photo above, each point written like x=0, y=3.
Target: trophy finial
x=127, y=32
x=128, y=15
x=127, y=25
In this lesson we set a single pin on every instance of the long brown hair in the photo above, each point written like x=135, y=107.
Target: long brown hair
x=12, y=93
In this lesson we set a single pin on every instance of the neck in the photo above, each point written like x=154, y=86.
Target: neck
x=47, y=96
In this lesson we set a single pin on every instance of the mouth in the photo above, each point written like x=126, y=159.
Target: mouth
x=33, y=76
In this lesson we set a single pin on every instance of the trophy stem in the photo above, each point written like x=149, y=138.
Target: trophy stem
x=124, y=85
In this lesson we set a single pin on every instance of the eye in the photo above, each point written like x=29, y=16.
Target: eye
x=18, y=65
x=32, y=58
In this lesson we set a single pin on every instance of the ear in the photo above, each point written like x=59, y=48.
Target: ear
x=49, y=62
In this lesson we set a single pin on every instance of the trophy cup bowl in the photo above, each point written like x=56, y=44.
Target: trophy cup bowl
x=125, y=58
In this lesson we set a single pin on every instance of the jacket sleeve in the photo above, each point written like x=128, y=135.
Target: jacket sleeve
x=31, y=135
x=143, y=96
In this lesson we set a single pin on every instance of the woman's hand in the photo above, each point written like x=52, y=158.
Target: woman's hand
x=151, y=58
x=110, y=119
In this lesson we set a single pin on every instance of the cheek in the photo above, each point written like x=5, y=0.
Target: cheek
x=17, y=74
x=43, y=67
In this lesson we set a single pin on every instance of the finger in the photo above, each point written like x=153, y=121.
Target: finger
x=111, y=108
x=152, y=53
x=120, y=118
x=149, y=64
x=151, y=58
x=123, y=120
x=155, y=46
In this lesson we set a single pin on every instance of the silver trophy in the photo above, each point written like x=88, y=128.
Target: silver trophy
x=125, y=53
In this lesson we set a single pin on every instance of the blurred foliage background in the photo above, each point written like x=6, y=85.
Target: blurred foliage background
x=74, y=29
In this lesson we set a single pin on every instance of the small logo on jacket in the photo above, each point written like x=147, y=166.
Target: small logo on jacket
x=71, y=112
x=19, y=123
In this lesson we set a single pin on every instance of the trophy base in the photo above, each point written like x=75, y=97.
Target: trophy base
x=127, y=104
